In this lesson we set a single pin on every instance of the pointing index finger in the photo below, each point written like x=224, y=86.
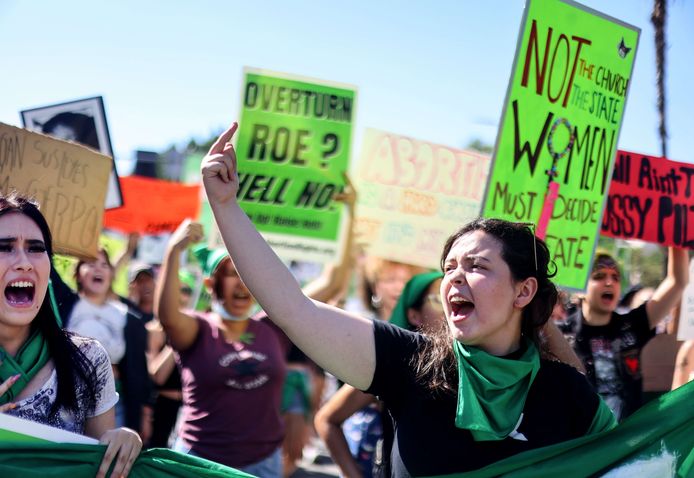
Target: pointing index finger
x=223, y=139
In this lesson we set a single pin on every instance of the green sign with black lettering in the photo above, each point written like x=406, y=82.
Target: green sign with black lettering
x=293, y=148
x=558, y=133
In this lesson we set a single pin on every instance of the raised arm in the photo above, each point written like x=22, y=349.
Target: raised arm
x=334, y=278
x=684, y=364
x=339, y=342
x=328, y=422
x=669, y=292
x=128, y=253
x=181, y=328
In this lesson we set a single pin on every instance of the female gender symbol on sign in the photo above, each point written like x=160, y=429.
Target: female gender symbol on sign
x=553, y=186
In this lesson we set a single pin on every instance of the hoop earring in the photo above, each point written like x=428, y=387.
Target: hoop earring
x=376, y=301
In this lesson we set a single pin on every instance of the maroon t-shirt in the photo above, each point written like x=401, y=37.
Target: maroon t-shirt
x=232, y=394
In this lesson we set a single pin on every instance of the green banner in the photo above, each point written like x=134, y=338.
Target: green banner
x=293, y=146
x=561, y=121
x=656, y=441
x=43, y=460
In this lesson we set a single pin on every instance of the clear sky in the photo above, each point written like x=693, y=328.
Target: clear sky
x=436, y=70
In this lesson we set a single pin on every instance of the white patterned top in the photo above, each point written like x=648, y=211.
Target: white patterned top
x=37, y=407
x=104, y=323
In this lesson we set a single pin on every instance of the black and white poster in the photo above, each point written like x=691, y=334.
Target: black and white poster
x=83, y=122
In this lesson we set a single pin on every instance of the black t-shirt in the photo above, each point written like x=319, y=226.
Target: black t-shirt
x=560, y=406
x=610, y=354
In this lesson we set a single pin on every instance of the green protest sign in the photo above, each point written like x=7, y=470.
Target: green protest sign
x=293, y=146
x=558, y=134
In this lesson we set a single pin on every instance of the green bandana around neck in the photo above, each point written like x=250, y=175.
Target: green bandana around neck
x=30, y=358
x=492, y=390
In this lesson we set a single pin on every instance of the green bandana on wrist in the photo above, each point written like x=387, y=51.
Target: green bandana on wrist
x=492, y=390
x=30, y=358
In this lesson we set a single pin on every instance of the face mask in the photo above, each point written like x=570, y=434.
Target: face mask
x=219, y=309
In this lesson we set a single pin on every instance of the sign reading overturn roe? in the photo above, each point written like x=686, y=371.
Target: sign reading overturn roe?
x=293, y=147
x=67, y=180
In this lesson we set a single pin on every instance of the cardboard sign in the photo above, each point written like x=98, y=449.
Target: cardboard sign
x=413, y=195
x=651, y=200
x=153, y=206
x=67, y=180
x=293, y=146
x=561, y=122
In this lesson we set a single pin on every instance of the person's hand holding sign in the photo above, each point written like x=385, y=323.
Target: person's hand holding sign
x=219, y=173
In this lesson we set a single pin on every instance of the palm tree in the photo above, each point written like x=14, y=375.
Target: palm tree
x=658, y=18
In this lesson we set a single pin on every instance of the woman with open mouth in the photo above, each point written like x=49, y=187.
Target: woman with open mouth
x=232, y=366
x=48, y=375
x=468, y=397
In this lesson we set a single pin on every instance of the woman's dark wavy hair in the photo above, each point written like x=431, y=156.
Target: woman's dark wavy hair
x=526, y=256
x=71, y=365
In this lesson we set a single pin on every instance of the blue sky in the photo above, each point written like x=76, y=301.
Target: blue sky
x=436, y=71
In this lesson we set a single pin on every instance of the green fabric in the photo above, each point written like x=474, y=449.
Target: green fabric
x=30, y=358
x=661, y=430
x=54, y=304
x=209, y=259
x=295, y=382
x=187, y=278
x=48, y=460
x=603, y=420
x=665, y=425
x=412, y=291
x=492, y=390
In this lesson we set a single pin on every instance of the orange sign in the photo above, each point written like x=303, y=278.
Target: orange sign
x=153, y=206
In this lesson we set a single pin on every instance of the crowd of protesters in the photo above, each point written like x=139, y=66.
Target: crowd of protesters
x=239, y=382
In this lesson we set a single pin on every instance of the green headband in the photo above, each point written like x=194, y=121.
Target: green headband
x=209, y=259
x=412, y=291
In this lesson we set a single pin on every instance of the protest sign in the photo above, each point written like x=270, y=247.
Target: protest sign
x=84, y=122
x=191, y=174
x=293, y=146
x=153, y=206
x=685, y=329
x=67, y=180
x=650, y=199
x=559, y=129
x=414, y=194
